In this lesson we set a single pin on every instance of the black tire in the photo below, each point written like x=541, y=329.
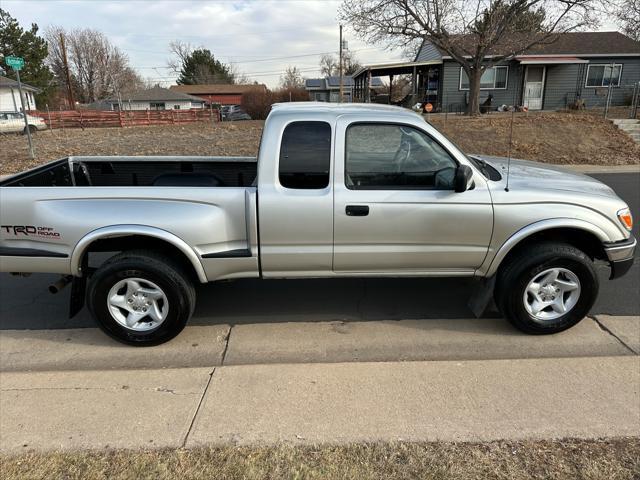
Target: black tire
x=514, y=277
x=32, y=129
x=169, y=277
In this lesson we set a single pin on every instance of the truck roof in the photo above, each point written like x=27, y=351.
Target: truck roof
x=338, y=108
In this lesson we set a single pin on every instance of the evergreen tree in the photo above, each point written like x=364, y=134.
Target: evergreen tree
x=16, y=41
x=200, y=67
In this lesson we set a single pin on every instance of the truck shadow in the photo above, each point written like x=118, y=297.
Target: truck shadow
x=26, y=304
x=320, y=300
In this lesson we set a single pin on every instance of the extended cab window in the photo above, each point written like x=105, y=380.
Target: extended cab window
x=305, y=155
x=386, y=156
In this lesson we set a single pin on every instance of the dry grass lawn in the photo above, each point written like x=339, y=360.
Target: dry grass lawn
x=546, y=137
x=564, y=138
x=570, y=459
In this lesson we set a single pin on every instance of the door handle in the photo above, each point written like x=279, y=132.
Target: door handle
x=357, y=210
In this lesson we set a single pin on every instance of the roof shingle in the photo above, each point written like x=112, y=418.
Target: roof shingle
x=572, y=43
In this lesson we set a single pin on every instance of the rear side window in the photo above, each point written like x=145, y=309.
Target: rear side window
x=305, y=155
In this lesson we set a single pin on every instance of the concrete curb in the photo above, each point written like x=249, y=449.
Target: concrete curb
x=316, y=342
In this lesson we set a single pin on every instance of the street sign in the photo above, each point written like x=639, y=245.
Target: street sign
x=14, y=62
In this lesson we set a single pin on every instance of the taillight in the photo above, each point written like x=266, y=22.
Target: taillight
x=625, y=218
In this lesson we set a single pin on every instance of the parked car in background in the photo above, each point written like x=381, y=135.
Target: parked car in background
x=231, y=113
x=13, y=122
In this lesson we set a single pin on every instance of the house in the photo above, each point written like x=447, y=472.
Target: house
x=10, y=97
x=574, y=69
x=156, y=98
x=222, y=94
x=328, y=89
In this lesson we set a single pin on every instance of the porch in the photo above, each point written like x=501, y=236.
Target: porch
x=425, y=83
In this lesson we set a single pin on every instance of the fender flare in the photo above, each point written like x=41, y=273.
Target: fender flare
x=123, y=230
x=540, y=226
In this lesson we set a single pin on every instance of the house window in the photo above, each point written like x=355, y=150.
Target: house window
x=157, y=105
x=493, y=78
x=603, y=75
x=176, y=107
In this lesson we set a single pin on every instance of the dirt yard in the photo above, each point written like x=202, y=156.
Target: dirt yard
x=547, y=137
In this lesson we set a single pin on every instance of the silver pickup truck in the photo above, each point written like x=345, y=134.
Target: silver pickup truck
x=336, y=191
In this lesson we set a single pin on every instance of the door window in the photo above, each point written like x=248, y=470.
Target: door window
x=305, y=155
x=392, y=157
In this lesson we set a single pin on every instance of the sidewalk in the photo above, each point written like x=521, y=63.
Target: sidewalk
x=323, y=382
x=321, y=403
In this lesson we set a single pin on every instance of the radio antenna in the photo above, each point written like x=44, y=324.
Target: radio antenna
x=513, y=113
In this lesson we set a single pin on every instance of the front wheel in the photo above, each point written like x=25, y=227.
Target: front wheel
x=546, y=288
x=140, y=299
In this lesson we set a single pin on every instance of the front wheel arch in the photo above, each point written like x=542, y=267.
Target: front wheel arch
x=585, y=237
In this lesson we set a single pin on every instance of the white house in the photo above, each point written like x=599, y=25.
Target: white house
x=10, y=97
x=156, y=98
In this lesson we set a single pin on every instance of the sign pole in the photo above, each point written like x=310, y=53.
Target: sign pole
x=24, y=115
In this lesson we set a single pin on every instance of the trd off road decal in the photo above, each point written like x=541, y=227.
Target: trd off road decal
x=30, y=231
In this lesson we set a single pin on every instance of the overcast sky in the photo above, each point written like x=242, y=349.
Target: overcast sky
x=261, y=37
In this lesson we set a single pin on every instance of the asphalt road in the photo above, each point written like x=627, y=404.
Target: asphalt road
x=26, y=304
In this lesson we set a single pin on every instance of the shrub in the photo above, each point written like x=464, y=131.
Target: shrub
x=257, y=102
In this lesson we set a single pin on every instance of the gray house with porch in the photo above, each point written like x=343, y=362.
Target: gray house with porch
x=578, y=69
x=327, y=89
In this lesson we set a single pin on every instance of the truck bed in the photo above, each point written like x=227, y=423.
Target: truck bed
x=204, y=205
x=106, y=171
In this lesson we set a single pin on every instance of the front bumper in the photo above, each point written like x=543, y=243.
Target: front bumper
x=620, y=256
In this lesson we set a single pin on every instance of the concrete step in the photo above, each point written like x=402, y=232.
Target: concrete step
x=629, y=127
x=622, y=121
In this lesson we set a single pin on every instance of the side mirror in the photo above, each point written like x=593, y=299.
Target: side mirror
x=462, y=178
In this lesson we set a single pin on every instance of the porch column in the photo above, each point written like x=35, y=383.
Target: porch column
x=367, y=92
x=390, y=87
x=414, y=84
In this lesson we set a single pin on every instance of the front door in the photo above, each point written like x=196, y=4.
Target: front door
x=534, y=87
x=395, y=208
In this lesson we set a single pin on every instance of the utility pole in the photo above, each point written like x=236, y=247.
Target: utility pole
x=341, y=83
x=63, y=47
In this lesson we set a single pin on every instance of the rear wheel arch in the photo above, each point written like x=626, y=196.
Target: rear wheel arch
x=124, y=238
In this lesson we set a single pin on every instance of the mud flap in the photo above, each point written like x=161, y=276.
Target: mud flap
x=78, y=289
x=482, y=295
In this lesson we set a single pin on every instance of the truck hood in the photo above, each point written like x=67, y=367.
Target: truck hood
x=527, y=175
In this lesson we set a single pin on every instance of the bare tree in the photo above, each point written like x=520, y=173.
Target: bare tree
x=330, y=65
x=628, y=14
x=291, y=79
x=98, y=68
x=181, y=52
x=477, y=34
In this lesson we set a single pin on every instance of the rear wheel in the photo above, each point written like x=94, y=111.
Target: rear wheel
x=546, y=288
x=140, y=298
x=32, y=129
